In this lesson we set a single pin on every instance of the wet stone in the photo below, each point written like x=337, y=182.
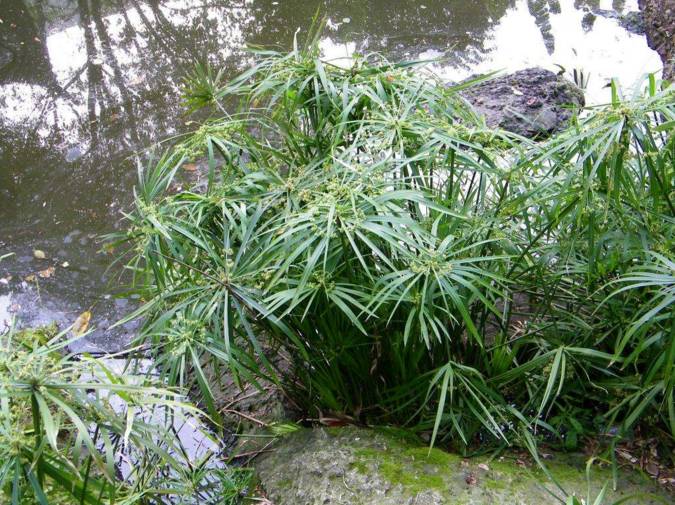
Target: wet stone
x=533, y=103
x=71, y=236
x=121, y=303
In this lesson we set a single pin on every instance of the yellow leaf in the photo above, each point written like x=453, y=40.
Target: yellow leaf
x=190, y=167
x=39, y=254
x=81, y=323
x=46, y=273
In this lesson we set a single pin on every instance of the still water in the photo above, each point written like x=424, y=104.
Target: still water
x=87, y=87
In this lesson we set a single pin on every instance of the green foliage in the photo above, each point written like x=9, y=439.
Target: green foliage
x=67, y=424
x=417, y=267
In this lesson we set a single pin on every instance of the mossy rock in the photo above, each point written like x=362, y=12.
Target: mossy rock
x=356, y=466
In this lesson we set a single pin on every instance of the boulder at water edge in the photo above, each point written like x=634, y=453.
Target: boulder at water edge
x=356, y=466
x=533, y=102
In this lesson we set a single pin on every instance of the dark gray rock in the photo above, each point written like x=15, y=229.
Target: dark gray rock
x=356, y=466
x=533, y=102
x=659, y=22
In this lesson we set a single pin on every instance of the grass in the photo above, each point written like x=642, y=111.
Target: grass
x=419, y=268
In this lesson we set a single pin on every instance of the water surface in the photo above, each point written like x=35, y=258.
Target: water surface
x=86, y=86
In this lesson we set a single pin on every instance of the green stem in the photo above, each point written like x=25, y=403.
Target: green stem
x=37, y=431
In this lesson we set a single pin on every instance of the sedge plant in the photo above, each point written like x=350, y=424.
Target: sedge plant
x=417, y=267
x=74, y=430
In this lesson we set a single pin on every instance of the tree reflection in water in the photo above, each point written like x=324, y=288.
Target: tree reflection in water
x=85, y=84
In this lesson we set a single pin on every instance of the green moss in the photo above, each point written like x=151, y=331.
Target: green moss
x=434, y=456
x=399, y=434
x=495, y=484
x=369, y=453
x=412, y=480
x=417, y=468
x=409, y=467
x=333, y=430
x=284, y=483
x=410, y=470
x=360, y=467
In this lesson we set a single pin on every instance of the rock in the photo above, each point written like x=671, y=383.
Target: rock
x=533, y=102
x=357, y=466
x=659, y=22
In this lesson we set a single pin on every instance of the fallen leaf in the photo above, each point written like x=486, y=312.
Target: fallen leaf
x=190, y=167
x=46, y=273
x=470, y=479
x=39, y=254
x=626, y=455
x=652, y=469
x=483, y=466
x=333, y=421
x=81, y=324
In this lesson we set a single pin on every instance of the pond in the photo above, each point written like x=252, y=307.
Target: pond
x=87, y=87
